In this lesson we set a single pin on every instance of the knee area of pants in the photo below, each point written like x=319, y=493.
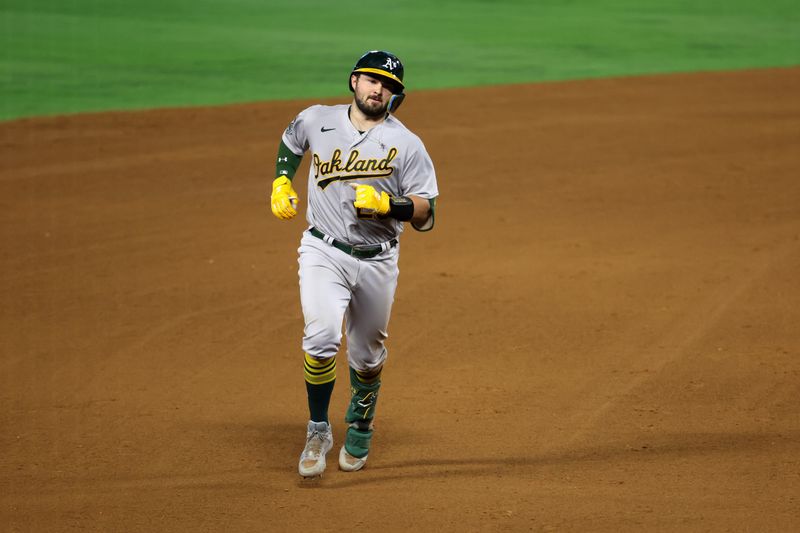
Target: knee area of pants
x=371, y=362
x=323, y=343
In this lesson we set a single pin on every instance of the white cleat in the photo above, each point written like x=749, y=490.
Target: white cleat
x=348, y=463
x=319, y=441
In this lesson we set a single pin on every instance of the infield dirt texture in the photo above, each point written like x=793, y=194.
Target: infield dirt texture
x=600, y=334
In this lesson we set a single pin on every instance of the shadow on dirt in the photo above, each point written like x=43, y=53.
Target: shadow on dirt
x=662, y=448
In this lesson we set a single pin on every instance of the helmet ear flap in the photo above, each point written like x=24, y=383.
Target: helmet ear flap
x=395, y=101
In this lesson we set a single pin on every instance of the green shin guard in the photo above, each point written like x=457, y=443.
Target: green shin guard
x=357, y=441
x=360, y=412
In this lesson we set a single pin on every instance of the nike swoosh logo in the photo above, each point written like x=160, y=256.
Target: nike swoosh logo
x=323, y=129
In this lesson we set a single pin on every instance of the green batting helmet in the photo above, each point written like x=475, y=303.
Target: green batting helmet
x=386, y=66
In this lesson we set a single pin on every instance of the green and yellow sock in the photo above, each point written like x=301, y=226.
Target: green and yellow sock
x=320, y=376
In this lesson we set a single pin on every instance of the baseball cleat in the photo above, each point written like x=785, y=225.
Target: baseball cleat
x=348, y=463
x=319, y=441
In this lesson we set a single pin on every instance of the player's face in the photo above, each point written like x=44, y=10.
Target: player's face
x=371, y=94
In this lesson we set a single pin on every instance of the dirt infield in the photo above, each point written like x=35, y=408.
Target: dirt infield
x=602, y=333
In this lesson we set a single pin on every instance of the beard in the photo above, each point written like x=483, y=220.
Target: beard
x=371, y=108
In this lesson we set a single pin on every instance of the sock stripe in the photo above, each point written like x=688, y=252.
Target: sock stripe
x=319, y=363
x=319, y=368
x=321, y=380
x=369, y=376
x=319, y=372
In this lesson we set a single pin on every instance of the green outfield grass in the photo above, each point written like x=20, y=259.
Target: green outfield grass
x=63, y=56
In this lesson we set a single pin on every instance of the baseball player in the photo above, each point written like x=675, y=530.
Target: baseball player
x=369, y=175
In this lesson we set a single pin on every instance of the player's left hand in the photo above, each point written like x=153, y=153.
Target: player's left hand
x=283, y=198
x=368, y=198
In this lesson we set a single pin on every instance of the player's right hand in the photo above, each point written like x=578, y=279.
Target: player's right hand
x=283, y=199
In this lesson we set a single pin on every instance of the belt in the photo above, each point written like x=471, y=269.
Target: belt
x=359, y=251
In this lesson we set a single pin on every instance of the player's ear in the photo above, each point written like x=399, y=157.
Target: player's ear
x=353, y=79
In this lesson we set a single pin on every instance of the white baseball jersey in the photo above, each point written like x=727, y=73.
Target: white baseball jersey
x=389, y=157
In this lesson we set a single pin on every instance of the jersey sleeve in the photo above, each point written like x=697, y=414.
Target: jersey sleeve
x=419, y=176
x=420, y=180
x=295, y=136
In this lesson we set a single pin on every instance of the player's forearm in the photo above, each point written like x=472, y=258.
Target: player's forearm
x=422, y=210
x=287, y=162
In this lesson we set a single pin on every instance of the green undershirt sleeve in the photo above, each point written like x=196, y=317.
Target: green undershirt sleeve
x=287, y=162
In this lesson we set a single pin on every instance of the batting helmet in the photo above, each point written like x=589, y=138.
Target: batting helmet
x=386, y=66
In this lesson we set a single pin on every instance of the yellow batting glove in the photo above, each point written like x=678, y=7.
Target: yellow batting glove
x=368, y=198
x=283, y=199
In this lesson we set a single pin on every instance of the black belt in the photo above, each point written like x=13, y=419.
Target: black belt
x=360, y=251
